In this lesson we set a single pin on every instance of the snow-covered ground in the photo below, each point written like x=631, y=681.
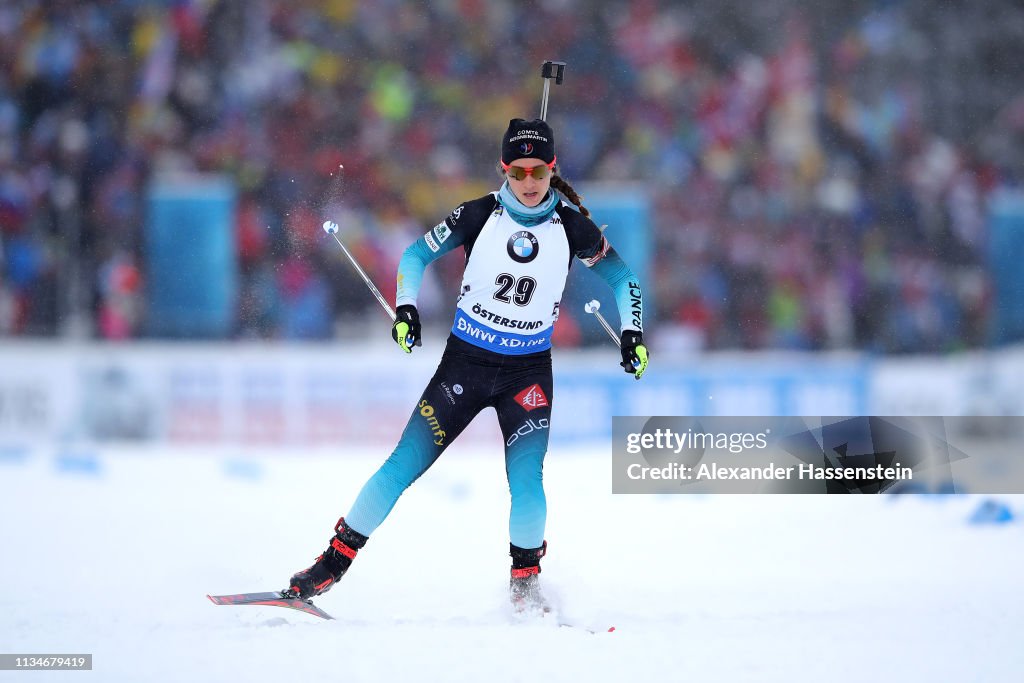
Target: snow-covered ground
x=118, y=562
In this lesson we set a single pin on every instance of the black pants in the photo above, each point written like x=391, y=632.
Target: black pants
x=468, y=380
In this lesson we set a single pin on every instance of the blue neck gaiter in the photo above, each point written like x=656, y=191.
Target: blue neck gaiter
x=527, y=216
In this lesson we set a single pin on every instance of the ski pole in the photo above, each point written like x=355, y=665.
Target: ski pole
x=331, y=228
x=594, y=308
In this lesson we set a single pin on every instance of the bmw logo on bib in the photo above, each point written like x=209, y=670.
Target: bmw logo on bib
x=523, y=247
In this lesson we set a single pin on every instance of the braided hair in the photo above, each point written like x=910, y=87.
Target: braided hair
x=560, y=184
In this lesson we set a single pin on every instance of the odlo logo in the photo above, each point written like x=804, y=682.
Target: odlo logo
x=532, y=398
x=528, y=427
x=427, y=411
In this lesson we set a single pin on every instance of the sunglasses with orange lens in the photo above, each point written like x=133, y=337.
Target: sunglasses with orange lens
x=537, y=172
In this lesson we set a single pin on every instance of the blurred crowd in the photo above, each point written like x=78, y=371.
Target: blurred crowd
x=815, y=181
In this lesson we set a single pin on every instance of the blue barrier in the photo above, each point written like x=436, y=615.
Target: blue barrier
x=85, y=463
x=585, y=401
x=238, y=468
x=13, y=455
x=991, y=512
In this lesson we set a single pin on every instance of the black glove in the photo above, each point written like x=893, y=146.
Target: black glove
x=406, y=330
x=634, y=353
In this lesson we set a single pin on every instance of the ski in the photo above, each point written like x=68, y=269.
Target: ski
x=544, y=611
x=282, y=599
x=271, y=599
x=566, y=624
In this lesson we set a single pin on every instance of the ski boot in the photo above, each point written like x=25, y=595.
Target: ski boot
x=330, y=566
x=524, y=586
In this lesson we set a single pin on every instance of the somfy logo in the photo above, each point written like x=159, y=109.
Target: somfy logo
x=427, y=411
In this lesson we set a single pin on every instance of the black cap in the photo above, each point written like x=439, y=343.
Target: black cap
x=528, y=140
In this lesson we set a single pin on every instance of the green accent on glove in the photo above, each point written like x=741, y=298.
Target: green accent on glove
x=634, y=353
x=641, y=354
x=406, y=328
x=401, y=335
